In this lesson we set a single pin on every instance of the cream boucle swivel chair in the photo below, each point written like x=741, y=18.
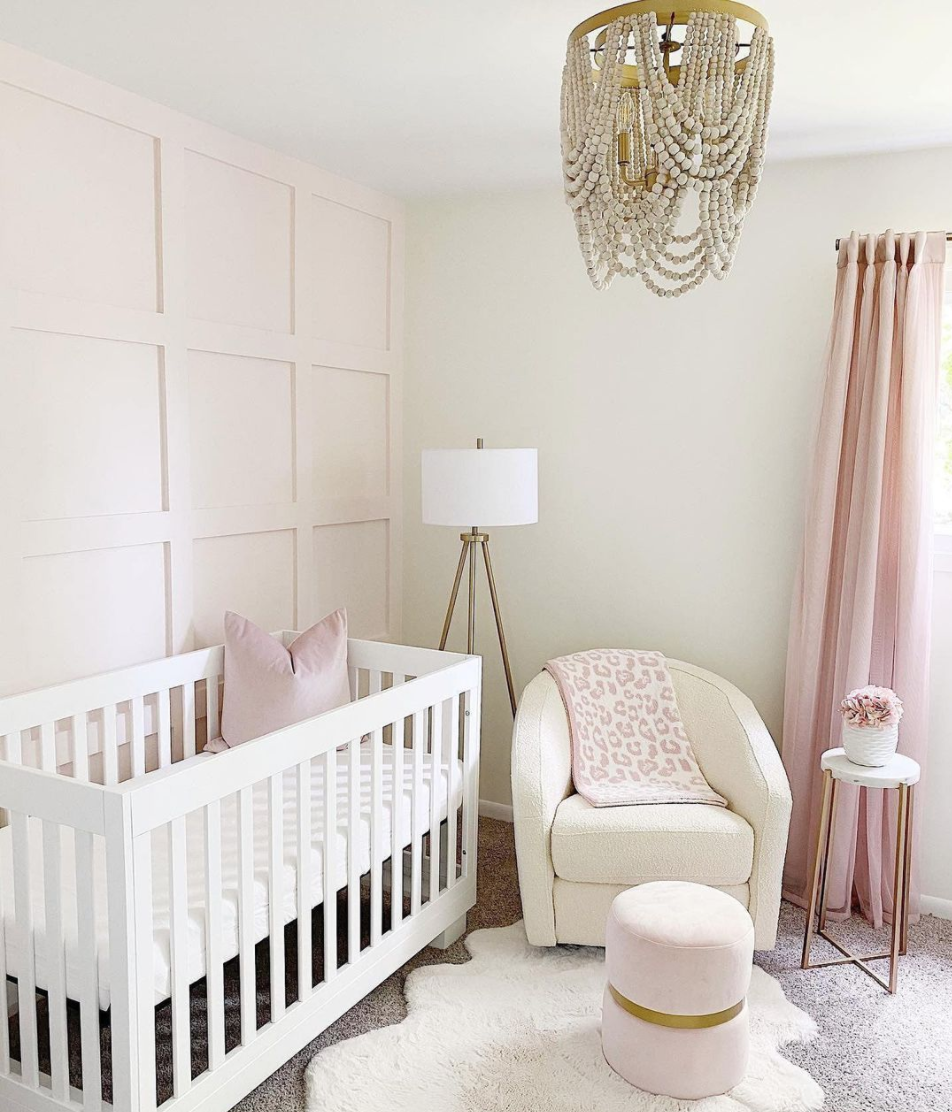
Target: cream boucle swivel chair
x=574, y=858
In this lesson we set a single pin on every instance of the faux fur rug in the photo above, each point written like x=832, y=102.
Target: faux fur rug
x=517, y=1030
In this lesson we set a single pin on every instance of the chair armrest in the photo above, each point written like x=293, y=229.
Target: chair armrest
x=541, y=779
x=740, y=761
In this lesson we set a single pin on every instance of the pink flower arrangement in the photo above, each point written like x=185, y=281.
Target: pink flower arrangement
x=871, y=706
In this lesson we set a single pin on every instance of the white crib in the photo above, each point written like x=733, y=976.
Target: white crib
x=134, y=868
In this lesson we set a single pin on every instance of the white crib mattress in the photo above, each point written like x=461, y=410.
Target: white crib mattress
x=196, y=869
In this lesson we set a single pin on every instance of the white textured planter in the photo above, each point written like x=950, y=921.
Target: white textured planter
x=872, y=746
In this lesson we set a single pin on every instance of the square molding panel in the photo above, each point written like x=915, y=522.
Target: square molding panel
x=350, y=433
x=351, y=568
x=238, y=236
x=93, y=611
x=241, y=425
x=252, y=574
x=92, y=427
x=78, y=194
x=351, y=255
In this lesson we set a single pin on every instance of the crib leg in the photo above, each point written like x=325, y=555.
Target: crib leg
x=453, y=932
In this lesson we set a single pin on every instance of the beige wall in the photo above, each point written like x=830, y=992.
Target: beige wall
x=200, y=356
x=673, y=435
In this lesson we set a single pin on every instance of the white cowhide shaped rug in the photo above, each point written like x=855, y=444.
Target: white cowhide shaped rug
x=517, y=1030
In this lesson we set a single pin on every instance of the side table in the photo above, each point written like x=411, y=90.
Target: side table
x=901, y=773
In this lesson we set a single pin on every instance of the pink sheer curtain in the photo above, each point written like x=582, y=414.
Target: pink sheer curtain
x=862, y=601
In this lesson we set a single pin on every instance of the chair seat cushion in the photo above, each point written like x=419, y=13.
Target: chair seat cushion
x=659, y=841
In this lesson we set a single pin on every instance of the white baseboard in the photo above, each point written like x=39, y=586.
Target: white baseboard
x=928, y=905
x=491, y=810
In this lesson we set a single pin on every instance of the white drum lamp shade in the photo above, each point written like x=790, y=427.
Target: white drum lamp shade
x=480, y=486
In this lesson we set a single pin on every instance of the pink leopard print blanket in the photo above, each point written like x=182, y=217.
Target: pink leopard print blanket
x=628, y=742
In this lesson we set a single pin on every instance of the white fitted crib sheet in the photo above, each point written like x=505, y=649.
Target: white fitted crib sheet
x=196, y=868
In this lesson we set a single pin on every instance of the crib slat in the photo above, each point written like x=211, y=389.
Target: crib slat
x=48, y=746
x=178, y=904
x=110, y=755
x=416, y=833
x=396, y=823
x=26, y=970
x=211, y=708
x=89, y=972
x=55, y=960
x=276, y=894
x=451, y=815
x=122, y=967
x=436, y=791
x=246, y=917
x=470, y=781
x=80, y=747
x=145, y=970
x=138, y=736
x=214, y=977
x=304, y=868
x=353, y=850
x=12, y=748
x=188, y=720
x=329, y=760
x=163, y=707
x=377, y=825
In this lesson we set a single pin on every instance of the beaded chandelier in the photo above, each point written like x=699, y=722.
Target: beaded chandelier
x=648, y=120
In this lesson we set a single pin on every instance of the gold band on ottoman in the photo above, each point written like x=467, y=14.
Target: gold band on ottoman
x=671, y=1019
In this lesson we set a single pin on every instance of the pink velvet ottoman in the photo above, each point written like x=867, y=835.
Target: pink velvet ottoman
x=674, y=1018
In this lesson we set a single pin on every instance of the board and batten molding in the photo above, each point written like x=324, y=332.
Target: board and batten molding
x=200, y=388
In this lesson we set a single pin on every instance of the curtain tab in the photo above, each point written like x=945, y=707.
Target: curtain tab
x=849, y=249
x=906, y=254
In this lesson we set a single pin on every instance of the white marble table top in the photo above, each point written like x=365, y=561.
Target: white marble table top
x=898, y=770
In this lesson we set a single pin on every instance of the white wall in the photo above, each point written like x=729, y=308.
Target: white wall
x=201, y=347
x=936, y=831
x=674, y=435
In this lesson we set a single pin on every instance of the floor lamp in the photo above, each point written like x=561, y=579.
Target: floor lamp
x=494, y=486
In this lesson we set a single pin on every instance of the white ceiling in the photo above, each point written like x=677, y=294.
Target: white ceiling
x=423, y=97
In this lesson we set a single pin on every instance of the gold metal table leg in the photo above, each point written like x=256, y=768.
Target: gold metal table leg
x=821, y=840
x=907, y=875
x=827, y=846
x=899, y=885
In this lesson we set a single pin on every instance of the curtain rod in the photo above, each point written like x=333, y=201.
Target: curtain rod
x=948, y=239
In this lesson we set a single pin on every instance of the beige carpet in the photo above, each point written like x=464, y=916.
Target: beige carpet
x=874, y=1053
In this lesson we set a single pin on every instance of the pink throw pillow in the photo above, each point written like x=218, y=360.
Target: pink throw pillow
x=268, y=686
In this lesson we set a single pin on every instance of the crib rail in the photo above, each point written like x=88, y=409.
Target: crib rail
x=179, y=788
x=50, y=704
x=356, y=829
x=120, y=725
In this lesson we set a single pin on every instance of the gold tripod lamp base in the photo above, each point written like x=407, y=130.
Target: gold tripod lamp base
x=468, y=554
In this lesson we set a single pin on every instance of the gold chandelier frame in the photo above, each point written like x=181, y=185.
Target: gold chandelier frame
x=672, y=13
